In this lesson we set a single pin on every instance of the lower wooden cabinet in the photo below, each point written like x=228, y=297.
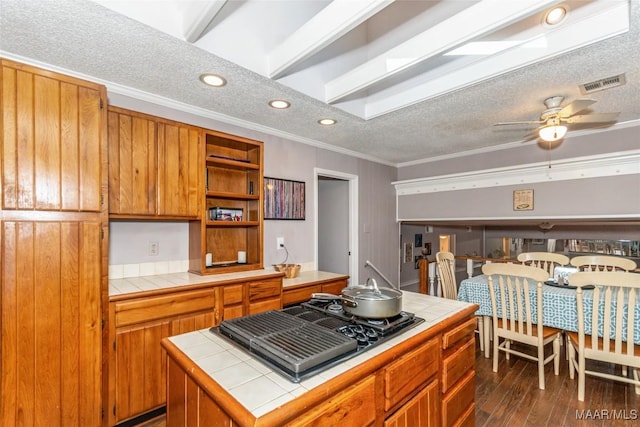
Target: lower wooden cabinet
x=137, y=363
x=139, y=373
x=422, y=410
x=301, y=293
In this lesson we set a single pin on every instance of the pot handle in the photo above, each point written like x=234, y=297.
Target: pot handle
x=373, y=285
x=349, y=302
x=325, y=296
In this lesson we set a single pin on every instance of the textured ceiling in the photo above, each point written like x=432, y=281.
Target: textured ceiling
x=154, y=59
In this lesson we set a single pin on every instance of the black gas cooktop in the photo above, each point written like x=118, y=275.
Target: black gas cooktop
x=303, y=340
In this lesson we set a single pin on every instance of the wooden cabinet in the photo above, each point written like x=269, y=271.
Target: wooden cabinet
x=53, y=247
x=401, y=387
x=137, y=380
x=154, y=167
x=300, y=293
x=231, y=220
x=138, y=371
x=52, y=137
x=422, y=410
x=458, y=374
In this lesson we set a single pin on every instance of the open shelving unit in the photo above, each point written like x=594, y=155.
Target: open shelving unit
x=231, y=219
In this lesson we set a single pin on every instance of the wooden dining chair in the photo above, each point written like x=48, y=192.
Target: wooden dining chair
x=447, y=273
x=611, y=308
x=446, y=263
x=547, y=261
x=516, y=297
x=602, y=263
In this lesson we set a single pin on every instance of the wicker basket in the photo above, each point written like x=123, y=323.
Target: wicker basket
x=290, y=270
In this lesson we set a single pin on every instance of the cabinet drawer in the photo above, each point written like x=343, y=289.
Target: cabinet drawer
x=334, y=287
x=265, y=289
x=153, y=308
x=406, y=374
x=458, y=363
x=232, y=294
x=459, y=333
x=355, y=406
x=456, y=403
x=265, y=305
x=294, y=296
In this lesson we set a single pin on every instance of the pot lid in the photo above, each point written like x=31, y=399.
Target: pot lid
x=366, y=293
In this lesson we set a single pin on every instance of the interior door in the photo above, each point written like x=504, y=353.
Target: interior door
x=333, y=225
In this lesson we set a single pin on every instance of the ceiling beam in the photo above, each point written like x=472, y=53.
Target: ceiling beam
x=332, y=22
x=195, y=22
x=477, y=20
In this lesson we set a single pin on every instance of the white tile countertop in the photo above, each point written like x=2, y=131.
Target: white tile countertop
x=260, y=389
x=173, y=280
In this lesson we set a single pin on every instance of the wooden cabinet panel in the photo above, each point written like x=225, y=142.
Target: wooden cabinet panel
x=406, y=374
x=154, y=166
x=459, y=333
x=456, y=365
x=355, y=406
x=294, y=296
x=265, y=305
x=139, y=380
x=50, y=323
x=422, y=410
x=132, y=164
x=456, y=403
x=265, y=289
x=151, y=308
x=52, y=130
x=334, y=287
x=233, y=294
x=179, y=170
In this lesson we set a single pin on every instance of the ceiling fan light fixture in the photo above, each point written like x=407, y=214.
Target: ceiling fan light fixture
x=213, y=80
x=552, y=133
x=555, y=15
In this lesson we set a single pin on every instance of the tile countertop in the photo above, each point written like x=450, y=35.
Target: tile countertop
x=260, y=390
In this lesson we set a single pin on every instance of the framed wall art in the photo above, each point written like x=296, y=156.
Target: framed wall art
x=284, y=199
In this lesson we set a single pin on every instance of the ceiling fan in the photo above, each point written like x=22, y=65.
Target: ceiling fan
x=553, y=118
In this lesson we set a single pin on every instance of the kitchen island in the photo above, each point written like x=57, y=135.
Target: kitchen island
x=424, y=376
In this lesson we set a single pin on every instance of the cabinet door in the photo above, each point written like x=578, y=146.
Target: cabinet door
x=140, y=374
x=52, y=130
x=132, y=164
x=50, y=323
x=179, y=170
x=422, y=410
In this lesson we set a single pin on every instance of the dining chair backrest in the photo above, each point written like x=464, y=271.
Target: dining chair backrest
x=513, y=284
x=602, y=263
x=612, y=309
x=447, y=273
x=547, y=261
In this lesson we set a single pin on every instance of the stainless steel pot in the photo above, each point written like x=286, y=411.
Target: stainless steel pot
x=370, y=301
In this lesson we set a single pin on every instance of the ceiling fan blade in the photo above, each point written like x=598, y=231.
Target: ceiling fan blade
x=530, y=122
x=593, y=118
x=576, y=106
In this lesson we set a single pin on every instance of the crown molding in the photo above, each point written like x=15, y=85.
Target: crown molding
x=610, y=164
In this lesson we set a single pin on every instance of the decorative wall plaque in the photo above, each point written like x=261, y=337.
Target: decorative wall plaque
x=523, y=200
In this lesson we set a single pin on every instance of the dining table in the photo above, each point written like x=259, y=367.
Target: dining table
x=559, y=307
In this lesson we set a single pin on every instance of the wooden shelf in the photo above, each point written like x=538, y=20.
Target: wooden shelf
x=233, y=223
x=229, y=195
x=231, y=164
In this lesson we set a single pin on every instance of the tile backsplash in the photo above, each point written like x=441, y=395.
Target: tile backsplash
x=122, y=271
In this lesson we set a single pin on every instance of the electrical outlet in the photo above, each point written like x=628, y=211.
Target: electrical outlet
x=280, y=242
x=154, y=248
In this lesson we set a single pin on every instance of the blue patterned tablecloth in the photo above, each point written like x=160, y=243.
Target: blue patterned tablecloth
x=559, y=305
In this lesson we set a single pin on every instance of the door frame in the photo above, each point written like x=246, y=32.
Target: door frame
x=353, y=217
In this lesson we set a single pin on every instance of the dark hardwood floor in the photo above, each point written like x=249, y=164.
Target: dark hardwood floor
x=511, y=397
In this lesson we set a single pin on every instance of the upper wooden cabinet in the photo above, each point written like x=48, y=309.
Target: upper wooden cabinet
x=232, y=206
x=154, y=166
x=52, y=130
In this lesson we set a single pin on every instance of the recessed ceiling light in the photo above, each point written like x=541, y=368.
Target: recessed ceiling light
x=279, y=104
x=213, y=80
x=327, y=122
x=555, y=15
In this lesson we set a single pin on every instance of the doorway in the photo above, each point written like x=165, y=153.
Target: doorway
x=336, y=228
